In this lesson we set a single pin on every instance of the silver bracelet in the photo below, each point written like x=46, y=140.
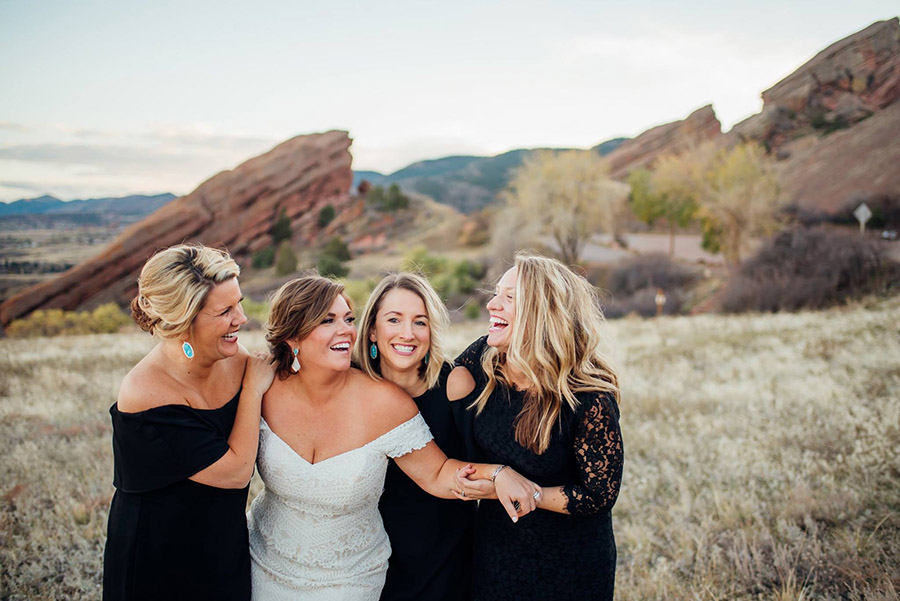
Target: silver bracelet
x=498, y=469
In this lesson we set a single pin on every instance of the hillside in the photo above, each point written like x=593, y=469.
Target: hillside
x=467, y=183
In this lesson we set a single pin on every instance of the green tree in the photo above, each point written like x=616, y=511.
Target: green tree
x=326, y=215
x=337, y=248
x=263, y=258
x=663, y=195
x=285, y=259
x=329, y=265
x=388, y=201
x=281, y=229
x=568, y=196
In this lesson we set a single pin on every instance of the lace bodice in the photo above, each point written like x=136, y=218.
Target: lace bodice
x=315, y=529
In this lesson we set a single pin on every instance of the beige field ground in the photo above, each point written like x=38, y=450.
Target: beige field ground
x=762, y=456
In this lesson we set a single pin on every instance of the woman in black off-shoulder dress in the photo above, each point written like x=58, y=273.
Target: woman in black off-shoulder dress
x=185, y=431
x=566, y=550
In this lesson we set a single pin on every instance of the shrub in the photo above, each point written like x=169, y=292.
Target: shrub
x=451, y=279
x=255, y=310
x=632, y=286
x=105, y=319
x=389, y=201
x=326, y=215
x=810, y=269
x=331, y=266
x=281, y=229
x=472, y=310
x=285, y=259
x=263, y=258
x=359, y=291
x=337, y=248
x=649, y=271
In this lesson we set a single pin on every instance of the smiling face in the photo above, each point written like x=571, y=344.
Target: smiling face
x=401, y=331
x=502, y=308
x=213, y=333
x=329, y=344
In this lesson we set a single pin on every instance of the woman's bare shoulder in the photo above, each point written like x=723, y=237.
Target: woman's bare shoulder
x=460, y=383
x=147, y=386
x=387, y=405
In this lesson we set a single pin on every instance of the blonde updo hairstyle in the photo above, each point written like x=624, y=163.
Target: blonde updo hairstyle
x=556, y=343
x=298, y=308
x=438, y=324
x=174, y=284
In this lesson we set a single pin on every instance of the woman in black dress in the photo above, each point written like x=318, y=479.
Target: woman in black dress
x=546, y=404
x=401, y=335
x=185, y=433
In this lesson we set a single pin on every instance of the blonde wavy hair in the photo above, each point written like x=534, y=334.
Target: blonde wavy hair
x=438, y=324
x=174, y=284
x=298, y=308
x=556, y=343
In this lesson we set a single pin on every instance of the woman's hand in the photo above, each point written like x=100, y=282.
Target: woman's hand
x=518, y=495
x=259, y=372
x=472, y=488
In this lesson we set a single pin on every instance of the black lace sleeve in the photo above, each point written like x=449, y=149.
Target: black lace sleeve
x=471, y=360
x=599, y=454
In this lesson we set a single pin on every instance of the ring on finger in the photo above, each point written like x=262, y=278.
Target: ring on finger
x=537, y=495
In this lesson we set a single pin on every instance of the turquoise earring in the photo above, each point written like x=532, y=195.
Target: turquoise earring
x=187, y=349
x=425, y=360
x=373, y=351
x=295, y=366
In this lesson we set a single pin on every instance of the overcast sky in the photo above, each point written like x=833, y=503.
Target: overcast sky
x=114, y=98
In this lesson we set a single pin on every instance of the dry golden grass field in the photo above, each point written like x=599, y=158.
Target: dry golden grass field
x=762, y=456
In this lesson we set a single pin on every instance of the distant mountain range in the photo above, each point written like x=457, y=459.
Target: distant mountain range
x=125, y=206
x=467, y=183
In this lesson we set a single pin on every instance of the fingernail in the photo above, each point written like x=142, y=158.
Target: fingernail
x=515, y=519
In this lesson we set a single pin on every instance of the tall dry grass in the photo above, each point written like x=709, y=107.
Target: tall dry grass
x=762, y=456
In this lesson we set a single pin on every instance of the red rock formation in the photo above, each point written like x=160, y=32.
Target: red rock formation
x=825, y=174
x=843, y=84
x=234, y=209
x=700, y=126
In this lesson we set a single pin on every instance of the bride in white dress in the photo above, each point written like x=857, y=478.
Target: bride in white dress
x=326, y=434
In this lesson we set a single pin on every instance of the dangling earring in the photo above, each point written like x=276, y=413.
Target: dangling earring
x=373, y=351
x=425, y=360
x=187, y=349
x=295, y=366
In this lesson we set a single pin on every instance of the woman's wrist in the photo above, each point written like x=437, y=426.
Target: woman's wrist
x=497, y=471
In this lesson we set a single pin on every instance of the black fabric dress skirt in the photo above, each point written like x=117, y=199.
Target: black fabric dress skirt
x=169, y=537
x=431, y=538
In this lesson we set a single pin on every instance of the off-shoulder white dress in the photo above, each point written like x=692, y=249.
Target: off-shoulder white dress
x=315, y=531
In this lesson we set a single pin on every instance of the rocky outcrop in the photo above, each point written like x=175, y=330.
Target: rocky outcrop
x=234, y=209
x=842, y=85
x=700, y=126
x=828, y=174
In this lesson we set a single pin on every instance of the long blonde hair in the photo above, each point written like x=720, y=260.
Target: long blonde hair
x=556, y=343
x=438, y=323
x=174, y=284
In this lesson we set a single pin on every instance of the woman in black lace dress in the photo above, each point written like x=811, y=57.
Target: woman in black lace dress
x=546, y=404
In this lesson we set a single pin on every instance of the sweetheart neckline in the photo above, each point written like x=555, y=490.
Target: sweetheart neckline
x=341, y=454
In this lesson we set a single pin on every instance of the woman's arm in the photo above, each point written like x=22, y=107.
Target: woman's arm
x=600, y=456
x=235, y=467
x=435, y=474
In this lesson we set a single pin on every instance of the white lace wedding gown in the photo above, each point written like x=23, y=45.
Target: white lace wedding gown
x=315, y=531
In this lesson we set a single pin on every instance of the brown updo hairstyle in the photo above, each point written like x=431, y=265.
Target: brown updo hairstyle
x=174, y=284
x=297, y=309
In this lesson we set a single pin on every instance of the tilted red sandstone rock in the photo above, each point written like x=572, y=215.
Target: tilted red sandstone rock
x=700, y=126
x=234, y=209
x=841, y=85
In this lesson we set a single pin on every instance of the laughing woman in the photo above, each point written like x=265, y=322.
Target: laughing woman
x=185, y=431
x=547, y=405
x=403, y=326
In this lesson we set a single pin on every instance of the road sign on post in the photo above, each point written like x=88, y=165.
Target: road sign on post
x=862, y=213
